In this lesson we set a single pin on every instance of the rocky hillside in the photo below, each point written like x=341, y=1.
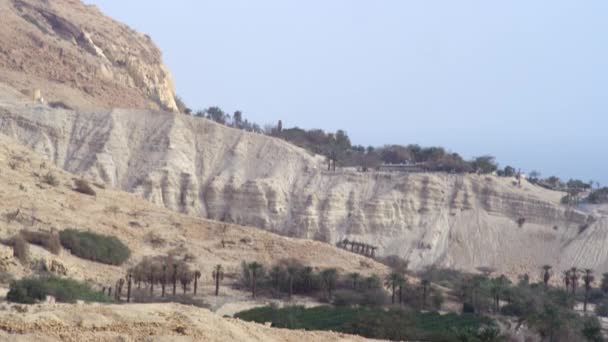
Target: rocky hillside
x=141, y=322
x=76, y=55
x=195, y=166
x=28, y=202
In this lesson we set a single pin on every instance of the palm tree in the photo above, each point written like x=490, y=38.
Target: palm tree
x=174, y=278
x=185, y=278
x=329, y=277
x=604, y=285
x=197, y=275
x=476, y=286
x=292, y=271
x=218, y=274
x=256, y=269
x=425, y=283
x=546, y=275
x=152, y=277
x=163, y=281
x=275, y=275
x=566, y=276
x=402, y=284
x=373, y=282
x=129, y=280
x=354, y=277
x=588, y=279
x=392, y=282
x=307, y=278
x=574, y=279
x=497, y=289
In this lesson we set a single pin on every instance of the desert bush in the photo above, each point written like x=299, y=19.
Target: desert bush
x=59, y=105
x=82, y=186
x=347, y=298
x=96, y=247
x=437, y=299
x=395, y=262
x=513, y=309
x=48, y=241
x=143, y=296
x=602, y=309
x=21, y=250
x=155, y=240
x=374, y=297
x=31, y=290
x=5, y=277
x=181, y=106
x=50, y=179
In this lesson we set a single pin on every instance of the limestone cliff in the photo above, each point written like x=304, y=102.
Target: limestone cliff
x=76, y=55
x=196, y=166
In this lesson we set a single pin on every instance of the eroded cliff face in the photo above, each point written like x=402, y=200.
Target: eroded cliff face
x=195, y=166
x=76, y=55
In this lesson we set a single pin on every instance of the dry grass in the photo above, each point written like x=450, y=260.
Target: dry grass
x=50, y=179
x=50, y=241
x=21, y=249
x=82, y=186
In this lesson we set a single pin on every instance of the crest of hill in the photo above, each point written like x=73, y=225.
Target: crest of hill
x=78, y=57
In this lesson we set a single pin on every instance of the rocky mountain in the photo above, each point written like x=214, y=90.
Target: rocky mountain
x=195, y=166
x=74, y=54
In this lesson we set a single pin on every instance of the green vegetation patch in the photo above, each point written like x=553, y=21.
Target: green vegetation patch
x=32, y=290
x=96, y=247
x=372, y=322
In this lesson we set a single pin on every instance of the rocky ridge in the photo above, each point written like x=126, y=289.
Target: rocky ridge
x=195, y=166
x=79, y=57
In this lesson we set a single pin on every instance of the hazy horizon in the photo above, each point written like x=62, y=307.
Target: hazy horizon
x=521, y=81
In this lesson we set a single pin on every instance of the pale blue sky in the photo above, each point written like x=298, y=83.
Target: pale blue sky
x=525, y=81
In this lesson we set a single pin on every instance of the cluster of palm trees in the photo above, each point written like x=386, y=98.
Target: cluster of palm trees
x=358, y=247
x=162, y=271
x=288, y=271
x=396, y=282
x=571, y=281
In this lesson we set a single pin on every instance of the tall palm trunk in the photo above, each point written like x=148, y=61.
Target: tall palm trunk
x=400, y=294
x=290, y=286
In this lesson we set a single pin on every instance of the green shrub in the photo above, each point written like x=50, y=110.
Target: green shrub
x=599, y=196
x=468, y=308
x=512, y=310
x=32, y=290
x=96, y=247
x=371, y=322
